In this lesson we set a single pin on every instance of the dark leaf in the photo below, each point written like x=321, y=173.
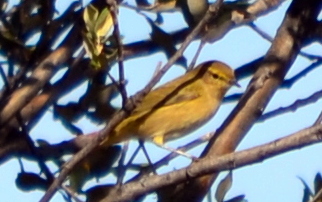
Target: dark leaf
x=317, y=183
x=164, y=40
x=240, y=198
x=223, y=187
x=68, y=114
x=307, y=194
x=142, y=3
x=31, y=182
x=95, y=165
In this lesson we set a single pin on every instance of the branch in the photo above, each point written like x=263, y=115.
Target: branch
x=270, y=39
x=270, y=74
x=289, y=83
x=117, y=35
x=251, y=67
x=293, y=107
x=40, y=76
x=210, y=165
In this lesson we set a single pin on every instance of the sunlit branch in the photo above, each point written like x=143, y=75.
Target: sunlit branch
x=230, y=161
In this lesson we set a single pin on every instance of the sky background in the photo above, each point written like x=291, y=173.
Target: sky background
x=276, y=179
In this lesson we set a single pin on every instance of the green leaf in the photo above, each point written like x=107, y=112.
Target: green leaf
x=103, y=24
x=90, y=16
x=223, y=187
x=91, y=47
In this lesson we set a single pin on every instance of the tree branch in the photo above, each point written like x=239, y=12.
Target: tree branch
x=269, y=76
x=293, y=107
x=129, y=191
x=40, y=76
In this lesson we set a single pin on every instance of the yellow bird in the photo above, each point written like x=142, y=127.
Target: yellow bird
x=177, y=107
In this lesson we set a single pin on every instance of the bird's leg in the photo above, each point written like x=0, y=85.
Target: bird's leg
x=159, y=141
x=141, y=144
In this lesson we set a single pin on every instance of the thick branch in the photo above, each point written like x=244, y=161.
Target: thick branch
x=40, y=76
x=270, y=74
x=230, y=161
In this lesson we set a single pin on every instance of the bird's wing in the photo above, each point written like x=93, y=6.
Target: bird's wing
x=166, y=96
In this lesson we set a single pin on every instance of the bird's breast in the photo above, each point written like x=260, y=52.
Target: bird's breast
x=178, y=120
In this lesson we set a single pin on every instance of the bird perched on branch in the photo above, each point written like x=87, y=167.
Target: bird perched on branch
x=177, y=107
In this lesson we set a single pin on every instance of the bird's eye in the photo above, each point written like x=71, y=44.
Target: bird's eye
x=215, y=76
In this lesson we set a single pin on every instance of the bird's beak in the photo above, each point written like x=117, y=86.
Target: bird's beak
x=235, y=83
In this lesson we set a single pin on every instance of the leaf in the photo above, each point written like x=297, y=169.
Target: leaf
x=240, y=198
x=165, y=41
x=89, y=45
x=317, y=183
x=68, y=114
x=96, y=165
x=223, y=187
x=307, y=194
x=42, y=143
x=142, y=3
x=103, y=24
x=98, y=96
x=98, y=24
x=30, y=182
x=90, y=16
x=218, y=26
x=92, y=48
x=71, y=112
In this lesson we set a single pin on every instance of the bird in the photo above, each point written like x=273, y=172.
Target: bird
x=178, y=107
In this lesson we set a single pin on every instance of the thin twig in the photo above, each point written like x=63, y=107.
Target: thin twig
x=165, y=160
x=187, y=147
x=4, y=78
x=121, y=167
x=318, y=120
x=297, y=104
x=21, y=165
x=141, y=142
x=136, y=151
x=157, y=69
x=41, y=163
x=270, y=39
x=260, y=31
x=71, y=193
x=194, y=60
x=286, y=83
x=117, y=35
x=289, y=82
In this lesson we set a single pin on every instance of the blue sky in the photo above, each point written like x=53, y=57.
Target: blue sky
x=275, y=179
